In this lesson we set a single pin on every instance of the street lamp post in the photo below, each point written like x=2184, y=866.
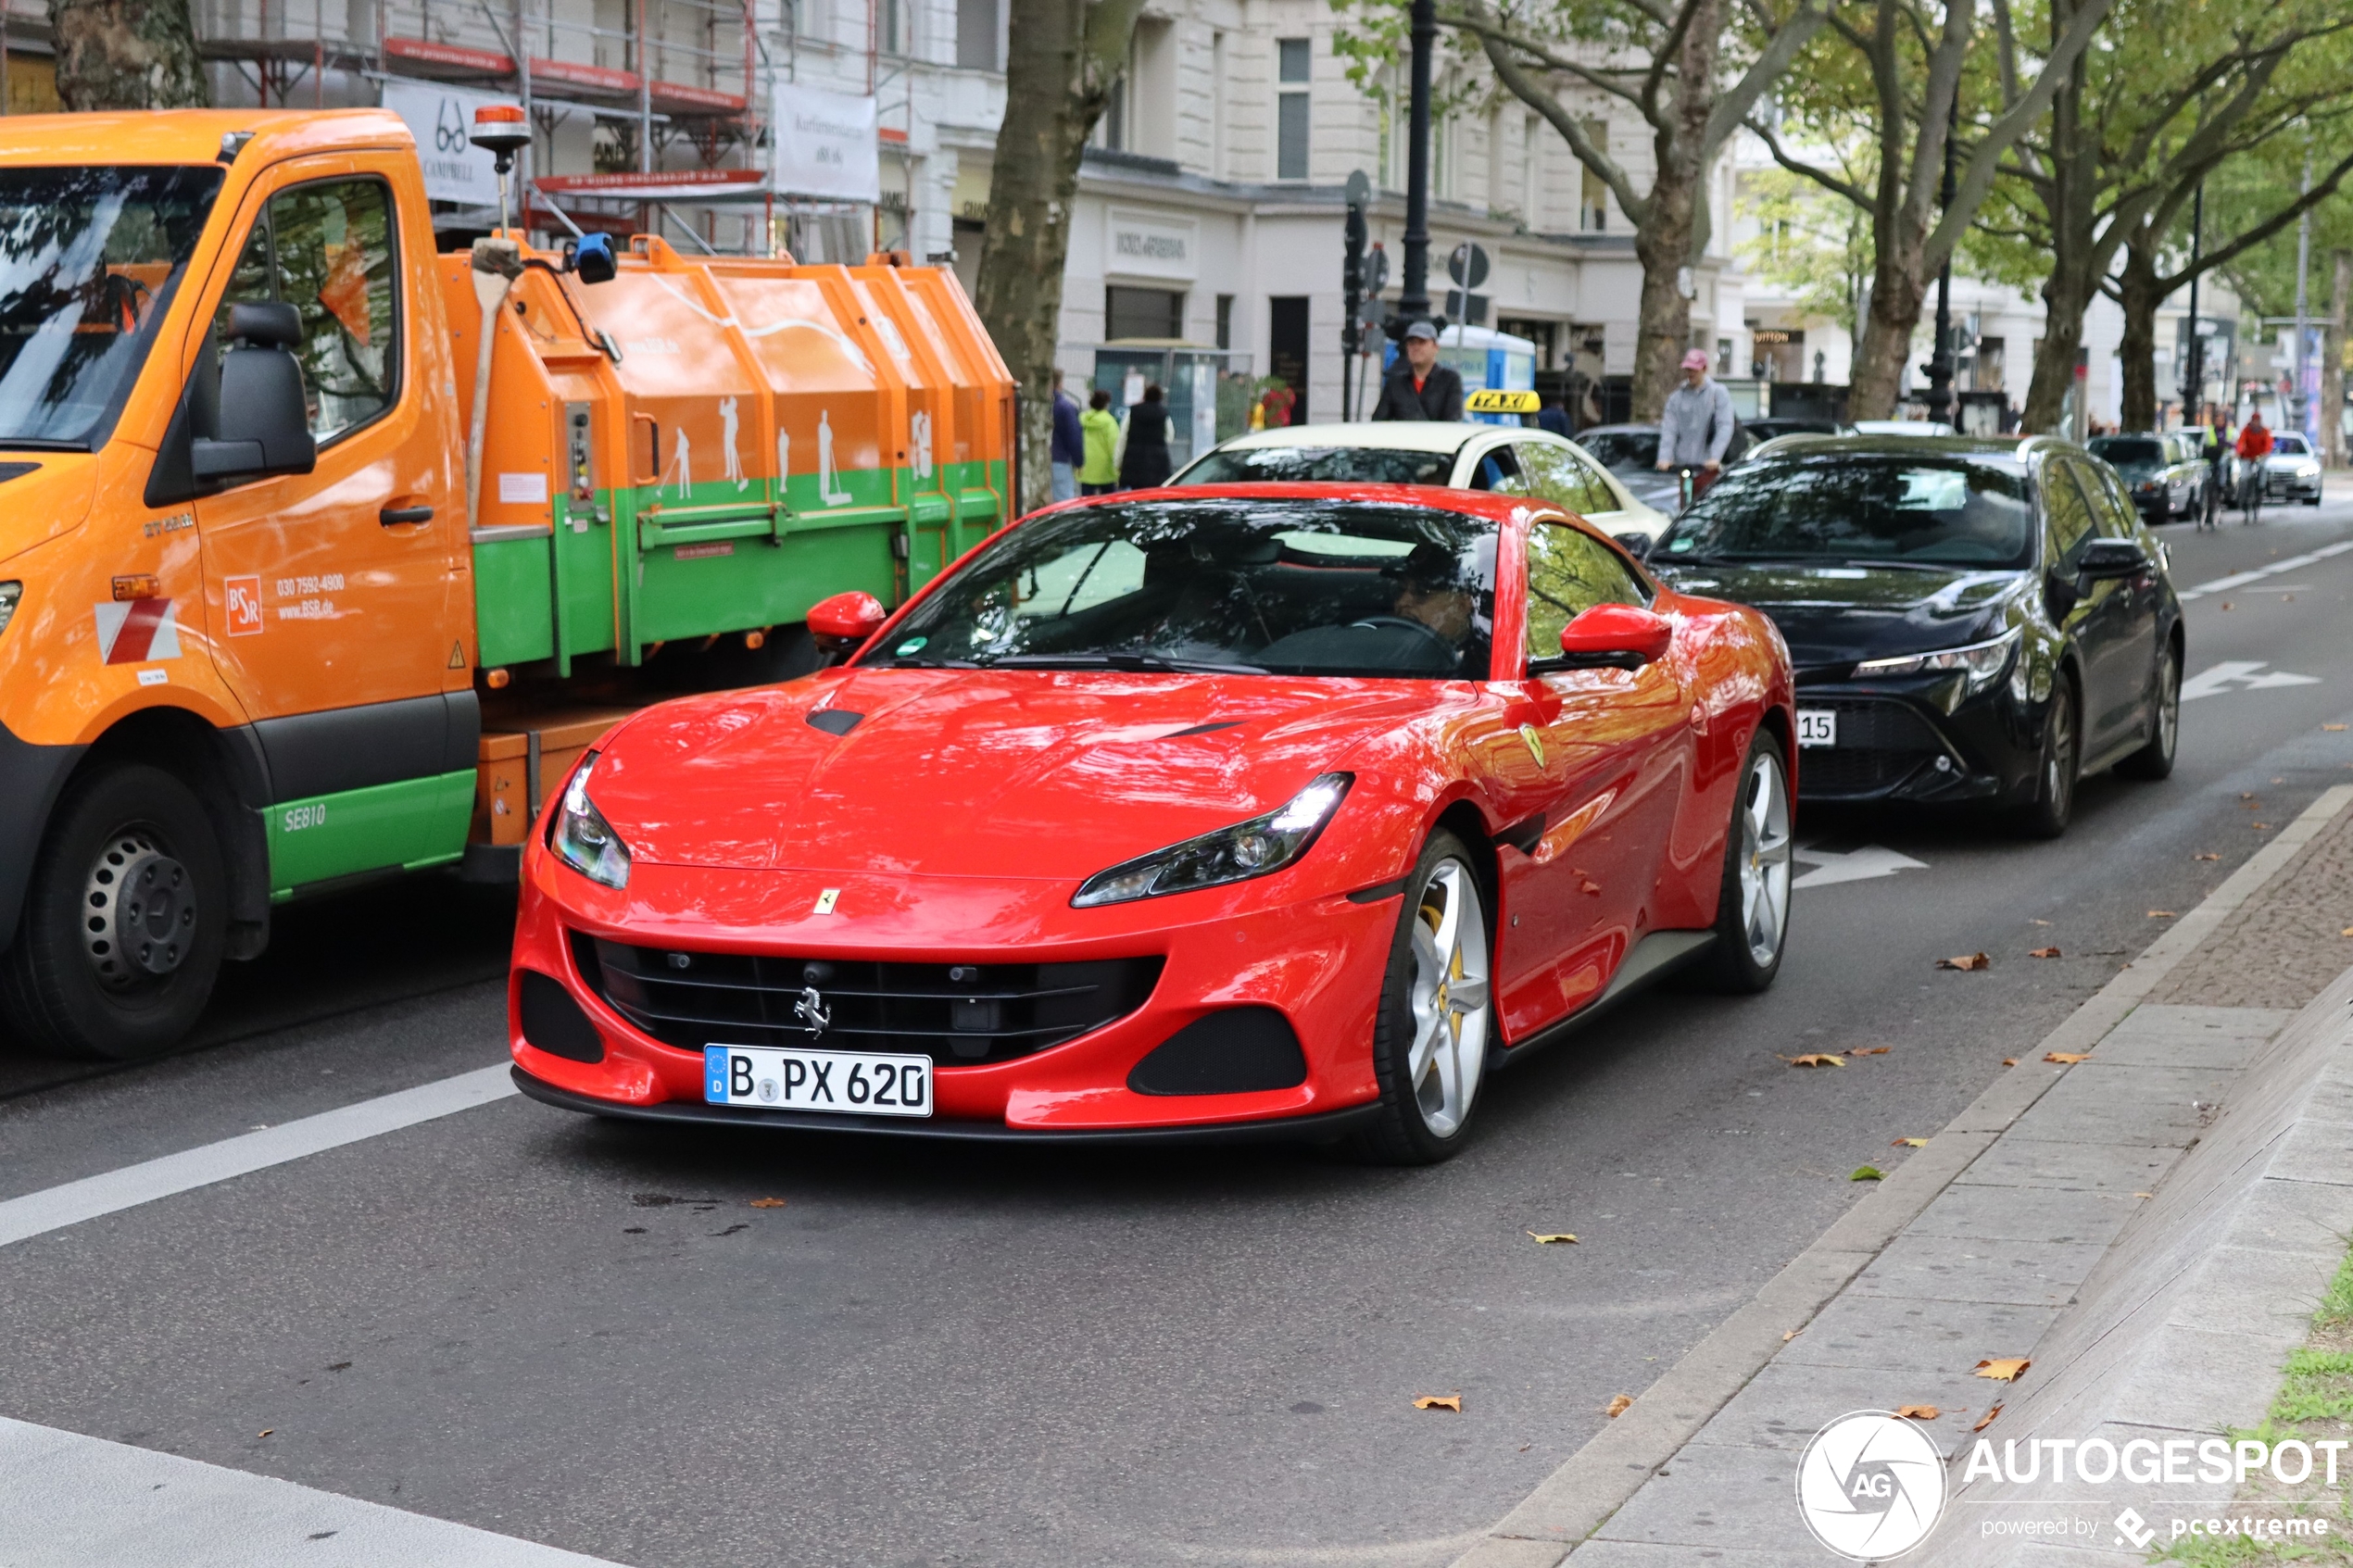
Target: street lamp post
x=1940, y=363
x=2194, y=359
x=1412, y=299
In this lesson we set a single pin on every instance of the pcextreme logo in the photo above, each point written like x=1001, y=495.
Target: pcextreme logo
x=1870, y=1485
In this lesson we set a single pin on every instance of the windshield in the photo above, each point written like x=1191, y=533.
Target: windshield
x=1859, y=510
x=2292, y=446
x=1263, y=587
x=2134, y=457
x=1622, y=449
x=1319, y=464
x=89, y=258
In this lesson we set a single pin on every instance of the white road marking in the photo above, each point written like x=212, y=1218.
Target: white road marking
x=70, y=1501
x=54, y=1208
x=2241, y=578
x=2240, y=674
x=1859, y=865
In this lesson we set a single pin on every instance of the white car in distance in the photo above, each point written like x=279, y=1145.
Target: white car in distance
x=1512, y=459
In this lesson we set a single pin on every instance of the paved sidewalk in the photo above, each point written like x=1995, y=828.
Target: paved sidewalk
x=1972, y=1249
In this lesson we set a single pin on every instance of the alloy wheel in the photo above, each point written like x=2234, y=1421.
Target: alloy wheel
x=1448, y=999
x=2059, y=758
x=1765, y=857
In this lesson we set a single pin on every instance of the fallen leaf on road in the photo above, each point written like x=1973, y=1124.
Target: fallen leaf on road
x=1816, y=1059
x=1987, y=1419
x=2003, y=1369
x=2331, y=726
x=2043, y=953
x=2261, y=827
x=1866, y=1173
x=2164, y=914
x=767, y=1203
x=2065, y=1057
x=2038, y=923
x=265, y=1431
x=1546, y=1238
x=1870, y=1051
x=1440, y=1402
x=2207, y=857
x=1791, y=1335
x=1618, y=1405
x=1918, y=1412
x=2346, y=931
x=1909, y=1143
x=2246, y=795
x=2145, y=1194
x=2010, y=1062
x=2228, y=604
x=1966, y=961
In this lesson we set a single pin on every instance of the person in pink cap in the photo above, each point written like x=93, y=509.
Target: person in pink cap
x=1696, y=425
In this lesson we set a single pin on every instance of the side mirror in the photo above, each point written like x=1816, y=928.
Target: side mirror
x=1635, y=544
x=2107, y=560
x=262, y=422
x=842, y=623
x=1615, y=637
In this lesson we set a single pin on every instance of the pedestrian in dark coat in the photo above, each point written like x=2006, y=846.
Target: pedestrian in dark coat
x=1419, y=387
x=1144, y=464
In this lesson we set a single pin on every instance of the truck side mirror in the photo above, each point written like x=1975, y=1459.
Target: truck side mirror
x=262, y=423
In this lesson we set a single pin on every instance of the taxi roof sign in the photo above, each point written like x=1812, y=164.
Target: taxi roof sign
x=1486, y=401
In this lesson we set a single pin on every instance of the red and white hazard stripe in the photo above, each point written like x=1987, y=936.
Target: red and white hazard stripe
x=134, y=631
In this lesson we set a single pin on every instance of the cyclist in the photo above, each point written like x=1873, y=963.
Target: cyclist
x=2255, y=445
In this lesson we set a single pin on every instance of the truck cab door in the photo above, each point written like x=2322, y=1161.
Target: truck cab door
x=332, y=596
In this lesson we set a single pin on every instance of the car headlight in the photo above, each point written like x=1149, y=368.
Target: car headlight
x=1982, y=661
x=1236, y=854
x=583, y=838
x=9, y=594
x=2308, y=470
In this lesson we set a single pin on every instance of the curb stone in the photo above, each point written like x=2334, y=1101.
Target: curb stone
x=1601, y=1477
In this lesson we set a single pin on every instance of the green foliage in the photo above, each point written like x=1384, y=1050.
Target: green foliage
x=2319, y=1386
x=1810, y=243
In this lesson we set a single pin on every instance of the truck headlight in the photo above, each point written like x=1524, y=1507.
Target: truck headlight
x=1983, y=662
x=1256, y=847
x=9, y=594
x=581, y=836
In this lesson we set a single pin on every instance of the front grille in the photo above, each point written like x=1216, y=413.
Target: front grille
x=957, y=1014
x=1881, y=744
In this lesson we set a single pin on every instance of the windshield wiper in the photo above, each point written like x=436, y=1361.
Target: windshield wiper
x=911, y=662
x=1157, y=663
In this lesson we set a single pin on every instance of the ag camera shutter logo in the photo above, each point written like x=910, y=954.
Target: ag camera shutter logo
x=1870, y=1485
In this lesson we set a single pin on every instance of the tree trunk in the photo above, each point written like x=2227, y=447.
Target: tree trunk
x=2142, y=293
x=127, y=55
x=1662, y=329
x=2333, y=364
x=1062, y=56
x=1899, y=294
x=2067, y=296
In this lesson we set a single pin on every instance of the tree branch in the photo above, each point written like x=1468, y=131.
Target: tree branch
x=1822, y=176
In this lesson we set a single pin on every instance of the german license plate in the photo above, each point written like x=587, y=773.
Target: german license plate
x=1817, y=726
x=846, y=1083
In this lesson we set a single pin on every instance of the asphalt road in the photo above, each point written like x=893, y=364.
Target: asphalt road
x=584, y=1335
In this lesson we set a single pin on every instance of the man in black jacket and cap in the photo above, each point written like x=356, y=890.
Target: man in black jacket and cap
x=1419, y=387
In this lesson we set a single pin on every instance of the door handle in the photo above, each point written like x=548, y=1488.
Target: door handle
x=393, y=517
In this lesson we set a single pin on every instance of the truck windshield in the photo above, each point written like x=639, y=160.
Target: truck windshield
x=89, y=259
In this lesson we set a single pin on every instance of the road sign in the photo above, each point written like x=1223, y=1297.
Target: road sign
x=1375, y=270
x=1467, y=265
x=1360, y=188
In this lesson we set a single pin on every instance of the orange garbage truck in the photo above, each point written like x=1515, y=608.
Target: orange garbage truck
x=323, y=554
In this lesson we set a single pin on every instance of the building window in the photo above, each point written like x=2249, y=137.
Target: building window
x=1131, y=312
x=1292, y=59
x=887, y=24
x=1225, y=321
x=1217, y=106
x=1592, y=205
x=1114, y=129
x=976, y=35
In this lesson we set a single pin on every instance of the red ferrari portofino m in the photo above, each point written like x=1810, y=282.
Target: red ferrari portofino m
x=1279, y=809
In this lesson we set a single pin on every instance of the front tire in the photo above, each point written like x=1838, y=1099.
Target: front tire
x=124, y=923
x=1752, y=908
x=2155, y=760
x=2053, y=808
x=1437, y=1015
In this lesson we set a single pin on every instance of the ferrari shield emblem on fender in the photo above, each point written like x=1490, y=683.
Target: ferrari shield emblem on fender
x=1535, y=743
x=826, y=901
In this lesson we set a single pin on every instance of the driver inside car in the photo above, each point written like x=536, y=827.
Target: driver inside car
x=1431, y=593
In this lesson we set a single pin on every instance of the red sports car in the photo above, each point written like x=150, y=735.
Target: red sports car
x=1273, y=809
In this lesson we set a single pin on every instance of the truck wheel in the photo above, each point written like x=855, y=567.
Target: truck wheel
x=124, y=923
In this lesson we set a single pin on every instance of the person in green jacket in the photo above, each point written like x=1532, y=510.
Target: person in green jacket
x=1098, y=475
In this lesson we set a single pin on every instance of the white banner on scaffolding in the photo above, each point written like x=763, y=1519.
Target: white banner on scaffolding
x=825, y=145
x=441, y=118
